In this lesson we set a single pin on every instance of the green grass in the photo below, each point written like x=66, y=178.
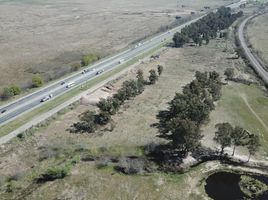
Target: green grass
x=13, y=125
x=240, y=114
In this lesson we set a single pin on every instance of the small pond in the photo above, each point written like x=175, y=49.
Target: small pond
x=225, y=186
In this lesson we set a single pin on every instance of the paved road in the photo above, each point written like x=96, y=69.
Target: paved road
x=32, y=101
x=253, y=60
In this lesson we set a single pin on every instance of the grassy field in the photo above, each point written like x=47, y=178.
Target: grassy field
x=258, y=36
x=132, y=131
x=34, y=41
x=247, y=106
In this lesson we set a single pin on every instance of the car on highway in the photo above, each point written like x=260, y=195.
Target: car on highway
x=3, y=111
x=46, y=98
x=63, y=82
x=99, y=72
x=121, y=61
x=69, y=85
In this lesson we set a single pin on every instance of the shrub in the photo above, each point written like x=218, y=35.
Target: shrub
x=229, y=73
x=15, y=89
x=153, y=77
x=88, y=59
x=160, y=69
x=37, y=81
x=7, y=93
x=57, y=172
x=104, y=162
x=131, y=166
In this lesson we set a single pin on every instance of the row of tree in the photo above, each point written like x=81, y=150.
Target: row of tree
x=181, y=122
x=227, y=136
x=206, y=28
x=90, y=120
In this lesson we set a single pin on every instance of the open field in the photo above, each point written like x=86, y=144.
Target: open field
x=53, y=144
x=49, y=37
x=257, y=32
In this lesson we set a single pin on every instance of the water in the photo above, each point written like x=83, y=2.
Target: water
x=224, y=186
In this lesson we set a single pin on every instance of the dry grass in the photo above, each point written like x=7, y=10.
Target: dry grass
x=48, y=37
x=258, y=36
x=132, y=130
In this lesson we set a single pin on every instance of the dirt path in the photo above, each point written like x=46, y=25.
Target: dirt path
x=243, y=96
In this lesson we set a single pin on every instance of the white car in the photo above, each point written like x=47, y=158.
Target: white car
x=46, y=98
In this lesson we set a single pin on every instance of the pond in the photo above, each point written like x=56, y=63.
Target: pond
x=225, y=185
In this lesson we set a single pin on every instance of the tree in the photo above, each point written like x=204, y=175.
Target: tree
x=103, y=118
x=185, y=134
x=140, y=76
x=16, y=90
x=229, y=73
x=140, y=81
x=253, y=145
x=109, y=105
x=239, y=137
x=180, y=39
x=37, y=81
x=223, y=135
x=7, y=93
x=88, y=59
x=160, y=69
x=87, y=123
x=153, y=76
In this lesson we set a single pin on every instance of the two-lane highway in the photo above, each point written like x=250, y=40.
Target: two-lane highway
x=21, y=106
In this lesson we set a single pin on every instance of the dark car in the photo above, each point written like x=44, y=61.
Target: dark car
x=3, y=111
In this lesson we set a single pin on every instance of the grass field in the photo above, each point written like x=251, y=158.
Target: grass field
x=132, y=131
x=49, y=37
x=257, y=32
x=247, y=106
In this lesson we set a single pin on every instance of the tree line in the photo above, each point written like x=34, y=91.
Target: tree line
x=91, y=120
x=206, y=28
x=228, y=136
x=187, y=111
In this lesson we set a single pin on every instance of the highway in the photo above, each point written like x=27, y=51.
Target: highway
x=253, y=60
x=32, y=101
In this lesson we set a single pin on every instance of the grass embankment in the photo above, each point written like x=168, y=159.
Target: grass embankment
x=247, y=107
x=11, y=126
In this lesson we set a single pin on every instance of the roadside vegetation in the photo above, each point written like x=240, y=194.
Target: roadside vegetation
x=90, y=120
x=206, y=28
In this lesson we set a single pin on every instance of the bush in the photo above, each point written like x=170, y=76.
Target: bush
x=131, y=166
x=37, y=81
x=104, y=162
x=160, y=69
x=7, y=93
x=153, y=77
x=15, y=89
x=57, y=172
x=88, y=59
x=229, y=73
